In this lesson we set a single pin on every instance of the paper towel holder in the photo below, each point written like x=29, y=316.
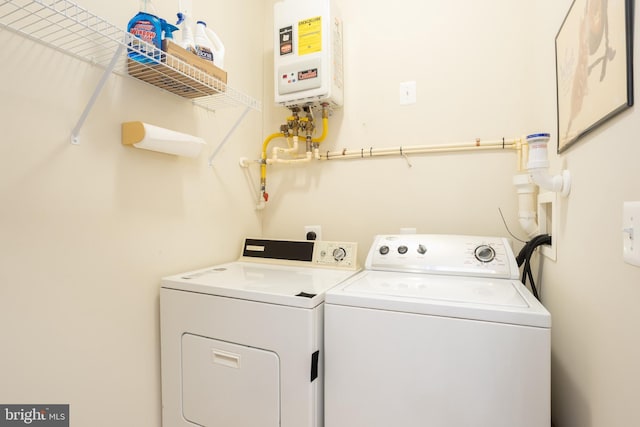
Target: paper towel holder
x=155, y=138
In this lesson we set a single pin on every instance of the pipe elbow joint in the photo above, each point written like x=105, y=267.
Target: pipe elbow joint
x=560, y=183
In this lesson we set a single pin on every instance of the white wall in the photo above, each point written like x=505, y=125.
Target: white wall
x=483, y=69
x=86, y=232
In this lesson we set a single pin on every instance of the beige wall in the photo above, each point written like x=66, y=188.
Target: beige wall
x=87, y=231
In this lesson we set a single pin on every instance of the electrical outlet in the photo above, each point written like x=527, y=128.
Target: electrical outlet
x=313, y=232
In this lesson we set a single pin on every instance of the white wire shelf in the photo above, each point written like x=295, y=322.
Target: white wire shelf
x=73, y=30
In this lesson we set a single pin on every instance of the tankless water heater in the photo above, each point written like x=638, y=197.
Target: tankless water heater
x=308, y=63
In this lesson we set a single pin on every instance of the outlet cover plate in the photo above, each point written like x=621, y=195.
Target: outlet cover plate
x=315, y=228
x=408, y=93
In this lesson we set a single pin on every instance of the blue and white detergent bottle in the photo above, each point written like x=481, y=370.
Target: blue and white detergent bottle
x=147, y=27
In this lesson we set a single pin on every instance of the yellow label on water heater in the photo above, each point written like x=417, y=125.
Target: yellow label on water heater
x=310, y=36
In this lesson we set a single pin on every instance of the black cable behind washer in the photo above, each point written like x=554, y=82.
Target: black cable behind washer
x=524, y=257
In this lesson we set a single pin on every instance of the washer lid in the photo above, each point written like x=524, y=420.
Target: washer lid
x=494, y=300
x=278, y=284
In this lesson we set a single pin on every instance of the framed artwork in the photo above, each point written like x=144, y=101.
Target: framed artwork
x=594, y=66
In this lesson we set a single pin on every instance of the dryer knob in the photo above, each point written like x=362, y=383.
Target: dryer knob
x=339, y=254
x=422, y=249
x=402, y=249
x=485, y=253
x=384, y=250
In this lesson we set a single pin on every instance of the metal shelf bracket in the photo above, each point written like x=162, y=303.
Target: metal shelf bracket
x=75, y=139
x=226, y=138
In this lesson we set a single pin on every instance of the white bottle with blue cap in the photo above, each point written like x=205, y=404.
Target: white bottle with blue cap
x=208, y=45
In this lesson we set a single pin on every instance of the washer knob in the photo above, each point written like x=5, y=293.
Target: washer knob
x=402, y=249
x=384, y=250
x=485, y=253
x=422, y=249
x=339, y=254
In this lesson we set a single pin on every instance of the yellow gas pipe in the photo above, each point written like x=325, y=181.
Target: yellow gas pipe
x=325, y=124
x=263, y=165
x=293, y=122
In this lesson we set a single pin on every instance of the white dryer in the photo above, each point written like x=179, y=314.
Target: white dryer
x=436, y=331
x=242, y=342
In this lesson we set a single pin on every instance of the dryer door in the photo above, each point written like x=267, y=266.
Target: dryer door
x=226, y=384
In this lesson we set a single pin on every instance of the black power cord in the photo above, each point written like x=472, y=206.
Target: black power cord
x=524, y=257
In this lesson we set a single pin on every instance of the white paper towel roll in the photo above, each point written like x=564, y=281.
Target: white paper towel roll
x=150, y=137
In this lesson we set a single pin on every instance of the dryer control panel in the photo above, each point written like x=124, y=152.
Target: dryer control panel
x=475, y=256
x=311, y=253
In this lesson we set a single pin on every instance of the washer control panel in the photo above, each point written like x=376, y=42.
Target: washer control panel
x=443, y=254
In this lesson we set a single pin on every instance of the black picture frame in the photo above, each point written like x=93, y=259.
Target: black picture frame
x=594, y=66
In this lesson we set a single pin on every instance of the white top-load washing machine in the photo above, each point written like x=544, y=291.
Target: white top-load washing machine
x=436, y=331
x=242, y=342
